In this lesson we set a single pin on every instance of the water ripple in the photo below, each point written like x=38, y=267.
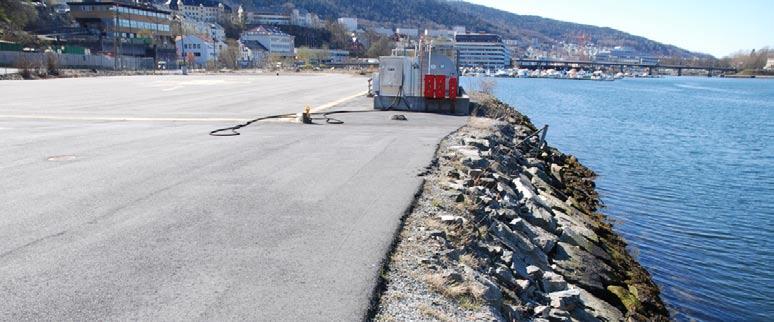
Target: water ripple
x=685, y=170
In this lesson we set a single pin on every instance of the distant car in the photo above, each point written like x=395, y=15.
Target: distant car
x=162, y=65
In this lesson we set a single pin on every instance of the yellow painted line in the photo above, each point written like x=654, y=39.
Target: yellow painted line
x=336, y=102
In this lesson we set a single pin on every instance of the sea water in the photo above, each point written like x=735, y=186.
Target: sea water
x=686, y=171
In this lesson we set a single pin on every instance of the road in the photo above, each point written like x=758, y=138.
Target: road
x=117, y=205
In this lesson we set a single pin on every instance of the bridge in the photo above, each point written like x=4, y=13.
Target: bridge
x=548, y=63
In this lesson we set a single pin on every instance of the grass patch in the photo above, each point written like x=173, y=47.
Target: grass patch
x=467, y=293
x=433, y=313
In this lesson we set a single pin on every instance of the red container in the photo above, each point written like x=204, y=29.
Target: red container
x=440, y=86
x=429, y=86
x=453, y=87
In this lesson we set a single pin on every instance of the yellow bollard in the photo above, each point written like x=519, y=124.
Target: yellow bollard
x=306, y=118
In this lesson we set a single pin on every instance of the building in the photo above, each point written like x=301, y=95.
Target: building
x=326, y=56
x=512, y=45
x=439, y=33
x=408, y=32
x=253, y=53
x=272, y=40
x=267, y=17
x=769, y=64
x=349, y=23
x=202, y=10
x=387, y=32
x=482, y=50
x=245, y=55
x=124, y=28
x=624, y=55
x=208, y=29
x=198, y=50
x=280, y=17
x=459, y=29
x=303, y=18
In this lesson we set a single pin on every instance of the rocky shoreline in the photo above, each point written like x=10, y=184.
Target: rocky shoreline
x=507, y=229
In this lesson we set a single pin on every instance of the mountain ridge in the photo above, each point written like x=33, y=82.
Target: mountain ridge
x=477, y=18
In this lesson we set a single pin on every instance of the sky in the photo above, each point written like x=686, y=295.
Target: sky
x=716, y=27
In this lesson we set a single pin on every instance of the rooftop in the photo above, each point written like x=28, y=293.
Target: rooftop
x=173, y=4
x=478, y=38
x=120, y=3
x=267, y=30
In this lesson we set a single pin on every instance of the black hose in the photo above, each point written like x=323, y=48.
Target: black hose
x=239, y=126
x=324, y=116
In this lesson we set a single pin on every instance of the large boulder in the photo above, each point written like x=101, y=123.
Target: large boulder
x=539, y=215
x=581, y=267
x=553, y=282
x=566, y=300
x=539, y=236
x=520, y=245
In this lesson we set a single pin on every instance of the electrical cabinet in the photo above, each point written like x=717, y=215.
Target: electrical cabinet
x=391, y=76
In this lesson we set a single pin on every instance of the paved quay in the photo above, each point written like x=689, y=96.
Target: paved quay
x=118, y=205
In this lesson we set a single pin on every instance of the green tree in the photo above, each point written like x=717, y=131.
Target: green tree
x=229, y=57
x=380, y=47
x=340, y=37
x=306, y=55
x=17, y=13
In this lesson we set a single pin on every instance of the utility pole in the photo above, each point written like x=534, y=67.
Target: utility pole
x=115, y=37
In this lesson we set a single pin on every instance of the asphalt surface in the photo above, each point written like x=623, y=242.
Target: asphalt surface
x=153, y=219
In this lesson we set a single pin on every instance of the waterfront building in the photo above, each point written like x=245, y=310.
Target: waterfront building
x=620, y=54
x=512, y=45
x=769, y=64
x=482, y=50
x=271, y=39
x=124, y=28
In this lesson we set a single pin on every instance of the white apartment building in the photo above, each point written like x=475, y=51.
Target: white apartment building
x=209, y=29
x=304, y=18
x=266, y=18
x=274, y=40
x=201, y=10
x=198, y=50
x=482, y=50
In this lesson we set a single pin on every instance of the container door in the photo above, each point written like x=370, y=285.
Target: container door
x=453, y=86
x=440, y=86
x=429, y=86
